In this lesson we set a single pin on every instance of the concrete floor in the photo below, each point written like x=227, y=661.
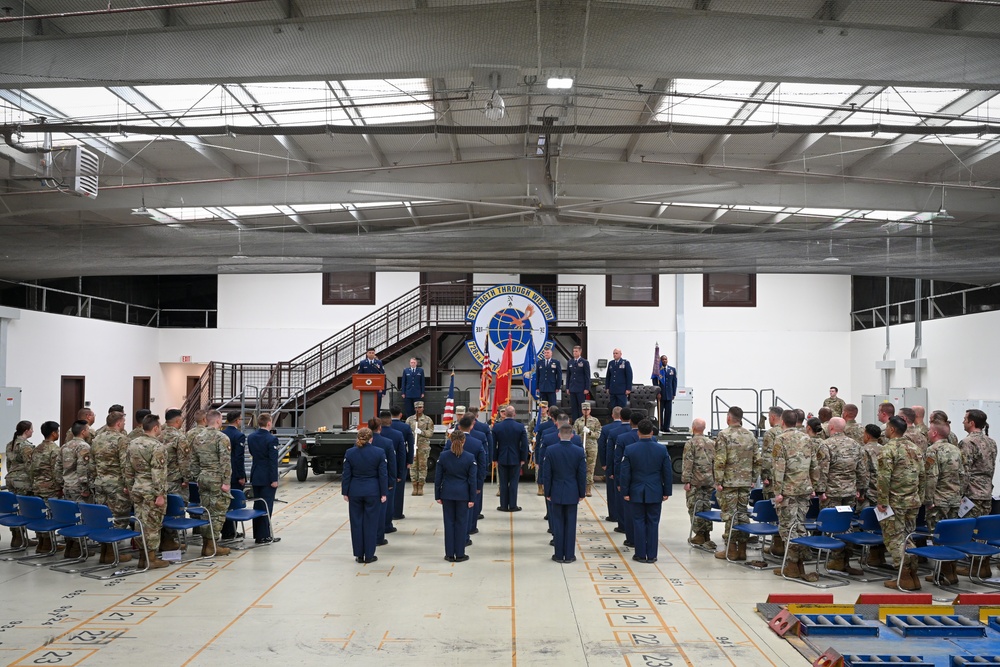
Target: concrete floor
x=307, y=601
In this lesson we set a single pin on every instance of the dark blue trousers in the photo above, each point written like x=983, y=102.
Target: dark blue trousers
x=260, y=524
x=364, y=513
x=229, y=527
x=562, y=518
x=385, y=515
x=397, y=505
x=576, y=399
x=666, y=411
x=611, y=494
x=509, y=477
x=619, y=400
x=408, y=409
x=476, y=510
x=456, y=527
x=549, y=397
x=646, y=528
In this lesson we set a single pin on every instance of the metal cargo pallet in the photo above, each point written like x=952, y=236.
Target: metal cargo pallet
x=936, y=626
x=837, y=624
x=871, y=660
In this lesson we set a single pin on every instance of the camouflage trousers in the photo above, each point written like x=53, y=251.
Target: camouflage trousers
x=768, y=492
x=150, y=515
x=894, y=531
x=699, y=499
x=733, y=505
x=980, y=507
x=840, y=501
x=939, y=512
x=177, y=487
x=19, y=485
x=591, y=461
x=112, y=493
x=791, y=524
x=419, y=469
x=216, y=502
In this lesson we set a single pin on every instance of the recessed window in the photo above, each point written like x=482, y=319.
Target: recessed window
x=736, y=290
x=355, y=288
x=632, y=289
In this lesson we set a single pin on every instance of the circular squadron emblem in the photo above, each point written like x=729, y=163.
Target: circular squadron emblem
x=508, y=311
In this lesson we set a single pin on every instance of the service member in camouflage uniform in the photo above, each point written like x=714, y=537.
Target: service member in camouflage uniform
x=843, y=481
x=211, y=467
x=87, y=415
x=901, y=476
x=146, y=476
x=941, y=417
x=422, y=427
x=589, y=430
x=796, y=472
x=18, y=477
x=943, y=489
x=736, y=468
x=137, y=431
x=824, y=415
x=108, y=454
x=766, y=454
x=45, y=470
x=919, y=422
x=979, y=455
x=913, y=433
x=178, y=467
x=113, y=408
x=835, y=403
x=78, y=474
x=852, y=429
x=699, y=482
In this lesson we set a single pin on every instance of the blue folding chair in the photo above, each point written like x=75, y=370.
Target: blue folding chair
x=982, y=548
x=812, y=513
x=869, y=535
x=9, y=518
x=102, y=522
x=176, y=518
x=240, y=513
x=828, y=523
x=67, y=510
x=756, y=495
x=948, y=535
x=35, y=509
x=710, y=513
x=764, y=524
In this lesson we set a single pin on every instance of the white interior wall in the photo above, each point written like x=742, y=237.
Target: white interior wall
x=43, y=347
x=963, y=361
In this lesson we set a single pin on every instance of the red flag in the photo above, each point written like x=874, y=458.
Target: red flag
x=505, y=373
x=485, y=380
x=655, y=375
x=449, y=404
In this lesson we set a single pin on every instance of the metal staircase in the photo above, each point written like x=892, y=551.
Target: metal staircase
x=288, y=386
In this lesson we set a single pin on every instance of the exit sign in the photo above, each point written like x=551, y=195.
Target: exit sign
x=186, y=359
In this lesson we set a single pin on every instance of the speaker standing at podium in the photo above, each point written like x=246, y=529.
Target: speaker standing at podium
x=370, y=365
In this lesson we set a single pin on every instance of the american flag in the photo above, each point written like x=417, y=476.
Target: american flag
x=485, y=380
x=449, y=404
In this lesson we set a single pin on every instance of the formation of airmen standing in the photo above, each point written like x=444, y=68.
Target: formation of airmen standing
x=126, y=472
x=905, y=465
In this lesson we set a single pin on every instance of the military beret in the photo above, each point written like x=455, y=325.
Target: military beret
x=418, y=404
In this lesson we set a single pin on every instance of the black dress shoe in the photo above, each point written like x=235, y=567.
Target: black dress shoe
x=619, y=529
x=397, y=518
x=607, y=518
x=650, y=560
x=545, y=518
x=371, y=560
x=468, y=542
x=514, y=509
x=473, y=531
x=548, y=530
x=556, y=558
x=450, y=559
x=462, y=558
x=571, y=559
x=636, y=558
x=502, y=509
x=480, y=516
x=382, y=542
x=628, y=543
x=360, y=559
x=391, y=530
x=552, y=543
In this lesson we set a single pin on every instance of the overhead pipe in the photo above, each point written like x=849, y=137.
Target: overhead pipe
x=8, y=137
x=886, y=368
x=123, y=10
x=918, y=336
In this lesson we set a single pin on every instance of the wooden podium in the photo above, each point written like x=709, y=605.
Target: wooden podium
x=370, y=385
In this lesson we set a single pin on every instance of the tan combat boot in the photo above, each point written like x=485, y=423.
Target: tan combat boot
x=732, y=553
x=699, y=538
x=984, y=569
x=541, y=490
x=416, y=489
x=72, y=549
x=840, y=563
x=792, y=570
x=589, y=488
x=206, y=549
x=777, y=547
x=169, y=544
x=741, y=551
x=154, y=562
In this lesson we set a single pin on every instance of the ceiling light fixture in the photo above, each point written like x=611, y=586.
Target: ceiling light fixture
x=495, y=108
x=560, y=83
